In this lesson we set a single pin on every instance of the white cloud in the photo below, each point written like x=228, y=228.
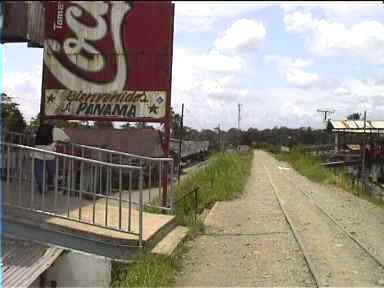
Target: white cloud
x=190, y=69
x=243, y=35
x=299, y=22
x=217, y=62
x=300, y=78
x=344, y=11
x=354, y=95
x=206, y=84
x=341, y=91
x=327, y=37
x=202, y=16
x=25, y=89
x=291, y=69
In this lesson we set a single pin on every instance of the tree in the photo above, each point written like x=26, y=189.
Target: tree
x=233, y=137
x=35, y=121
x=354, y=116
x=176, y=124
x=59, y=123
x=12, y=119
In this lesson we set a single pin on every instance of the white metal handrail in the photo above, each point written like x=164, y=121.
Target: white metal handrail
x=154, y=170
x=158, y=172
x=121, y=153
x=27, y=176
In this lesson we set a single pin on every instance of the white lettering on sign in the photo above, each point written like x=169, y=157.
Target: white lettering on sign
x=86, y=36
x=60, y=16
x=124, y=104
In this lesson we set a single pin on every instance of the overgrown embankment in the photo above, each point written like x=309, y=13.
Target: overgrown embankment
x=223, y=178
x=310, y=166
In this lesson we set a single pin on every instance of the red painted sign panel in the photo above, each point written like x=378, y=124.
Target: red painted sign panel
x=108, y=60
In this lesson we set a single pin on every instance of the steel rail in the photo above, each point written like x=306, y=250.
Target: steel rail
x=294, y=231
x=341, y=228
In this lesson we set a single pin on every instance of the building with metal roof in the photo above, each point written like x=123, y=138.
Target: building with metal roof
x=189, y=148
x=24, y=261
x=357, y=126
x=144, y=142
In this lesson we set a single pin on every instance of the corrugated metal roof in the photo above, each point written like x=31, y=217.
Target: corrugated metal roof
x=357, y=126
x=378, y=124
x=337, y=124
x=145, y=142
x=24, y=261
x=189, y=147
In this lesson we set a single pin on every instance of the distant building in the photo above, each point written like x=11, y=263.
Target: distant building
x=144, y=142
x=243, y=148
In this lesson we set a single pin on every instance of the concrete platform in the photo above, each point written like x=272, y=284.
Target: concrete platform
x=171, y=241
x=106, y=220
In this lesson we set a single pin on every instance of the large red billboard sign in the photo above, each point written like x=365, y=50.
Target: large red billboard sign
x=108, y=60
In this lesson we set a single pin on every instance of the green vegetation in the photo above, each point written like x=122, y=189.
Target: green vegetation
x=223, y=178
x=148, y=270
x=12, y=119
x=309, y=166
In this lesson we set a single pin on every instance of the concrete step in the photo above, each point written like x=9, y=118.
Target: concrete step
x=170, y=242
x=82, y=237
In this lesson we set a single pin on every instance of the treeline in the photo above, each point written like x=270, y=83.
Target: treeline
x=13, y=120
x=259, y=138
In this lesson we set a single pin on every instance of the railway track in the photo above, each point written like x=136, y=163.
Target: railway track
x=315, y=273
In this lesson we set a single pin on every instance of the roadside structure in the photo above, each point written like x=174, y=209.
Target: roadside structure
x=351, y=137
x=96, y=205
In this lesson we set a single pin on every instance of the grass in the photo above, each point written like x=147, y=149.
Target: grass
x=309, y=166
x=148, y=270
x=223, y=178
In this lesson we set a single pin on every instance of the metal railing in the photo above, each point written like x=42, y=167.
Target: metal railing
x=189, y=203
x=74, y=188
x=156, y=171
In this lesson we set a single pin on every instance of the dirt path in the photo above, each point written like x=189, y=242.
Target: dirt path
x=249, y=243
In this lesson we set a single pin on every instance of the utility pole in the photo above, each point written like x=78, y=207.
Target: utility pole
x=363, y=164
x=180, y=140
x=239, y=116
x=218, y=136
x=326, y=112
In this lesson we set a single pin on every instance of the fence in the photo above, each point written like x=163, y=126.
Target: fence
x=70, y=187
x=187, y=204
x=156, y=172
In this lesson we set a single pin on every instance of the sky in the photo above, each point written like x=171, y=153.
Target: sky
x=280, y=60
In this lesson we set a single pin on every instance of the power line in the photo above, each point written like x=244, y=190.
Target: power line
x=239, y=116
x=326, y=112
x=180, y=141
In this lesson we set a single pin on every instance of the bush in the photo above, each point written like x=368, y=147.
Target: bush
x=222, y=179
x=307, y=165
